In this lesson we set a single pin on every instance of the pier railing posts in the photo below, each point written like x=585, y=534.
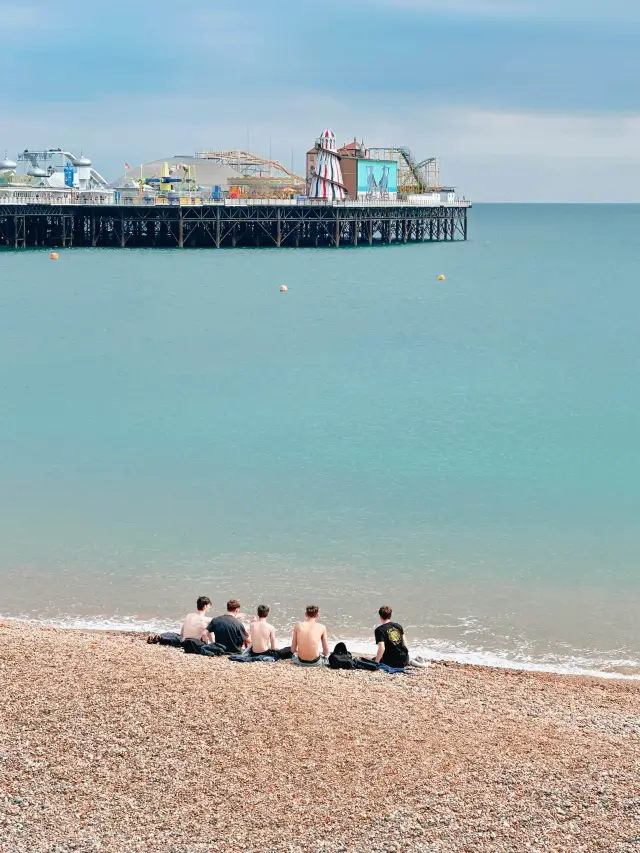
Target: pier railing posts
x=261, y=223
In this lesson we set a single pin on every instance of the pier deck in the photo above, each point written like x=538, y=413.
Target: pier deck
x=229, y=224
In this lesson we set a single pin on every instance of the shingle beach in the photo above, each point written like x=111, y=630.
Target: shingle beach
x=110, y=745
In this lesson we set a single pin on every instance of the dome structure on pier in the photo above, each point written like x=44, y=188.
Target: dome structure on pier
x=207, y=173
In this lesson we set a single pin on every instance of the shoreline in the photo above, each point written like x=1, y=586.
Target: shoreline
x=108, y=744
x=431, y=650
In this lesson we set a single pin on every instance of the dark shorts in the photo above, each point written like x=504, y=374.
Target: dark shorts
x=319, y=661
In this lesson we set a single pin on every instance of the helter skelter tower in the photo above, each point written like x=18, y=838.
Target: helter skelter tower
x=326, y=180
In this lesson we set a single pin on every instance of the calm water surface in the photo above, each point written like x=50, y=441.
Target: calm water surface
x=172, y=425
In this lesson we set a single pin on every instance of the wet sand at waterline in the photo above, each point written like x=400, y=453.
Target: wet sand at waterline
x=108, y=745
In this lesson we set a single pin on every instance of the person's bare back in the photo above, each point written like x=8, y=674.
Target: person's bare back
x=309, y=636
x=263, y=637
x=194, y=626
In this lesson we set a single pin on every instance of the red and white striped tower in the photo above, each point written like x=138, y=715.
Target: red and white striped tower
x=326, y=180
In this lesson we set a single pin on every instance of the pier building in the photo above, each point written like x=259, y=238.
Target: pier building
x=351, y=196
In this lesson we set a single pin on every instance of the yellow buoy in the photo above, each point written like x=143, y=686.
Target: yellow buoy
x=283, y=288
x=440, y=278
x=54, y=256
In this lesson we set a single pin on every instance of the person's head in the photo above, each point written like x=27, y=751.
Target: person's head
x=312, y=611
x=203, y=603
x=233, y=606
x=385, y=613
x=263, y=611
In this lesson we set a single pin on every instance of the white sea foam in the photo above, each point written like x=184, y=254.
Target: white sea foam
x=429, y=649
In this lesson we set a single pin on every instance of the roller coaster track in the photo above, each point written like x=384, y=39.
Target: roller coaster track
x=245, y=160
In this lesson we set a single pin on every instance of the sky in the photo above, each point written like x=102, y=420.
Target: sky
x=521, y=100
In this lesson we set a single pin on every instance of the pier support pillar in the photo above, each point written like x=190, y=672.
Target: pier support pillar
x=337, y=238
x=217, y=228
x=464, y=225
x=278, y=229
x=181, y=231
x=356, y=229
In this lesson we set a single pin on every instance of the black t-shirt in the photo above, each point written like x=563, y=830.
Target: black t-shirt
x=229, y=632
x=391, y=634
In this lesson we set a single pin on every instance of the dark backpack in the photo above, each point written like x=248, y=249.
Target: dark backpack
x=340, y=658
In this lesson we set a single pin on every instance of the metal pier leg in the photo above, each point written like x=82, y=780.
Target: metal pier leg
x=356, y=229
x=278, y=228
x=337, y=241
x=217, y=228
x=464, y=225
x=181, y=231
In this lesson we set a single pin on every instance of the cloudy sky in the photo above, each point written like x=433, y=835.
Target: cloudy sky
x=522, y=100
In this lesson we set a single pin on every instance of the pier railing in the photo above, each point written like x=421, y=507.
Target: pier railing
x=198, y=201
x=51, y=199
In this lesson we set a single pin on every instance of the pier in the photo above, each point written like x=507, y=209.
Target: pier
x=229, y=223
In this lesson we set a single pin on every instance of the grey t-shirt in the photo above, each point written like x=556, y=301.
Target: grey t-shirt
x=229, y=632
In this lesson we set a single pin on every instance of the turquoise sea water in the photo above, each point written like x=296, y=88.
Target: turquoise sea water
x=467, y=451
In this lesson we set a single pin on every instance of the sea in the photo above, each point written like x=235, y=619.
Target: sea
x=465, y=450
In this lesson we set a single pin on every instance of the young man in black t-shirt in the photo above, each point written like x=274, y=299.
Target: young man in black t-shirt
x=228, y=630
x=392, y=649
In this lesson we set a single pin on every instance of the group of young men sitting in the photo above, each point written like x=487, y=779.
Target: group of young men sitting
x=309, y=643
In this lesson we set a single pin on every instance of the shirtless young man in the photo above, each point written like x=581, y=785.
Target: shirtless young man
x=194, y=626
x=263, y=637
x=307, y=637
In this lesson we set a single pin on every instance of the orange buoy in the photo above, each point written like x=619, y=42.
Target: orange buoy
x=440, y=278
x=54, y=256
x=283, y=288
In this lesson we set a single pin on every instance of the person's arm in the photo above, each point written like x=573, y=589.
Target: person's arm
x=325, y=643
x=210, y=633
x=204, y=636
x=294, y=640
x=379, y=652
x=272, y=639
x=182, y=633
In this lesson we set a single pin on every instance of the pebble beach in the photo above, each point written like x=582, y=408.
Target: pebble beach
x=111, y=745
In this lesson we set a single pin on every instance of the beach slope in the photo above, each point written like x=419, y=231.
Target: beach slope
x=109, y=745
